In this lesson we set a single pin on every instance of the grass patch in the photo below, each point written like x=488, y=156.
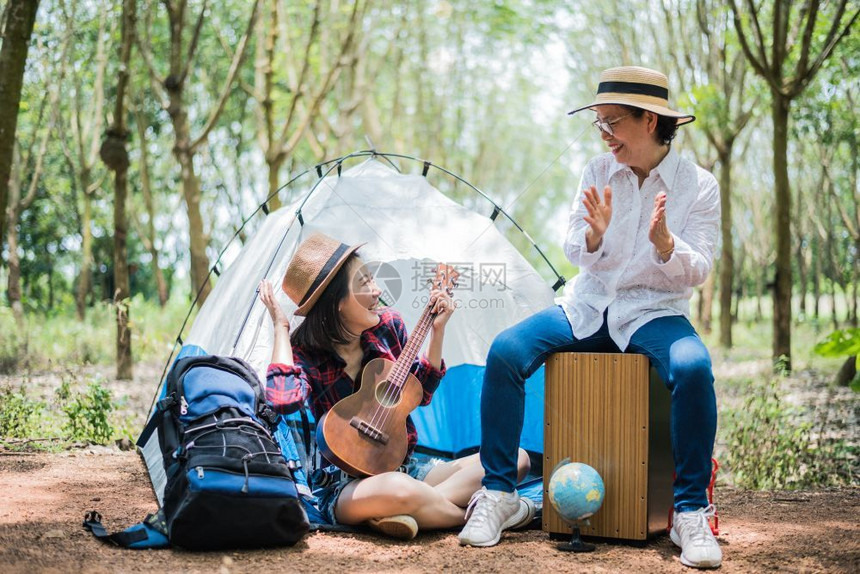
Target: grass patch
x=773, y=445
x=77, y=412
x=752, y=342
x=20, y=415
x=65, y=340
x=87, y=412
x=10, y=354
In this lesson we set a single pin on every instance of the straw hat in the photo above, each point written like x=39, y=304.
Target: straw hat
x=313, y=266
x=637, y=87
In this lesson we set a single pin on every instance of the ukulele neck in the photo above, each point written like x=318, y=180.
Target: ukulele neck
x=402, y=366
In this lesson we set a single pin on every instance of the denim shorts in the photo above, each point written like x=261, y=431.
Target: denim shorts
x=327, y=496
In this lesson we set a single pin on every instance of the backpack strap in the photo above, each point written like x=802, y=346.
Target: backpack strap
x=151, y=533
x=306, y=431
x=155, y=419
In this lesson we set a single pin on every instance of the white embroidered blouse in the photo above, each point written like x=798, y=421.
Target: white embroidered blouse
x=624, y=274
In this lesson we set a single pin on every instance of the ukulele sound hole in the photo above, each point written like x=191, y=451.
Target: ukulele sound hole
x=387, y=395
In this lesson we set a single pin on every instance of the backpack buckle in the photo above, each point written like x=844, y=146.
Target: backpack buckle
x=92, y=516
x=166, y=402
x=268, y=415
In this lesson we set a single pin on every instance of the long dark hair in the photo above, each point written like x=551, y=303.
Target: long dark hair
x=323, y=327
x=667, y=128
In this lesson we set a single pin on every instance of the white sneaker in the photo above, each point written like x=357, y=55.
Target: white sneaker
x=691, y=531
x=492, y=511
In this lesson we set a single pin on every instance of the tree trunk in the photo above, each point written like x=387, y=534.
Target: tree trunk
x=707, y=303
x=275, y=164
x=148, y=236
x=727, y=258
x=833, y=315
x=834, y=272
x=17, y=205
x=121, y=279
x=782, y=233
x=51, y=297
x=84, y=283
x=760, y=282
x=14, y=279
x=13, y=283
x=200, y=284
x=816, y=281
x=86, y=131
x=738, y=294
x=855, y=274
x=802, y=279
x=846, y=372
x=854, y=288
x=115, y=155
x=266, y=44
x=184, y=146
x=800, y=256
x=20, y=17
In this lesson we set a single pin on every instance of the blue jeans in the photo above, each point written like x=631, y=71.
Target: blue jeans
x=674, y=349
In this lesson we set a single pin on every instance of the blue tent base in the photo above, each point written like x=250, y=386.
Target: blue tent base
x=535, y=458
x=451, y=423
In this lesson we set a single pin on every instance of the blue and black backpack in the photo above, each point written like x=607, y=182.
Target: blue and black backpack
x=228, y=486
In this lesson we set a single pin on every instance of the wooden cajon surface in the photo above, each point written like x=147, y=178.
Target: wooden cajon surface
x=610, y=411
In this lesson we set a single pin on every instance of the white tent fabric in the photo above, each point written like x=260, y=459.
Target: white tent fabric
x=406, y=223
x=408, y=226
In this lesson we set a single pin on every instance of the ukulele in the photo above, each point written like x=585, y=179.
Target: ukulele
x=365, y=433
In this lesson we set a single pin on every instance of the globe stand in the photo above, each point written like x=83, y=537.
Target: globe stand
x=576, y=544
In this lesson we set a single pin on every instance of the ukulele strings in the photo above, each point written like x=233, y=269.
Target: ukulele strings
x=382, y=413
x=392, y=391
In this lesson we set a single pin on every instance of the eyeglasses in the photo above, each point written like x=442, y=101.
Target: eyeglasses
x=606, y=127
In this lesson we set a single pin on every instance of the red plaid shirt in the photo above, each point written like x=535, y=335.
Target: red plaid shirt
x=319, y=376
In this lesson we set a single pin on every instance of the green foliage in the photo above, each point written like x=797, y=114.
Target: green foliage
x=8, y=342
x=843, y=343
x=88, y=413
x=771, y=447
x=63, y=339
x=76, y=414
x=20, y=415
x=67, y=340
x=840, y=343
x=155, y=328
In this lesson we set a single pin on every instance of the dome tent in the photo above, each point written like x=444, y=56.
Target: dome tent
x=407, y=226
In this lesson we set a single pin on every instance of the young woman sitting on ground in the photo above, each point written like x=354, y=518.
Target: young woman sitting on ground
x=321, y=363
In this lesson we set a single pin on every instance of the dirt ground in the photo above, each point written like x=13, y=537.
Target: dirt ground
x=45, y=497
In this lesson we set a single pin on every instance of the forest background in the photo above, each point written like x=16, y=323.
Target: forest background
x=137, y=136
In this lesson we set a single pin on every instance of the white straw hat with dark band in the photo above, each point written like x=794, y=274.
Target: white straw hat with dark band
x=313, y=266
x=638, y=87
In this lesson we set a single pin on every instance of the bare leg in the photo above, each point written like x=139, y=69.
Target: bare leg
x=437, y=502
x=458, y=479
x=397, y=493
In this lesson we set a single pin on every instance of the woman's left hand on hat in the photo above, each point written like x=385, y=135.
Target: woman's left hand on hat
x=276, y=312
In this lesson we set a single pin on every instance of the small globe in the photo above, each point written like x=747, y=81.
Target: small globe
x=576, y=491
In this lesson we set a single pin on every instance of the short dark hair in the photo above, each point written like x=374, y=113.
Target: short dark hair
x=667, y=127
x=323, y=327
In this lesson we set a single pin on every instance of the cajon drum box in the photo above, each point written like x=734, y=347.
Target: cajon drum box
x=610, y=411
